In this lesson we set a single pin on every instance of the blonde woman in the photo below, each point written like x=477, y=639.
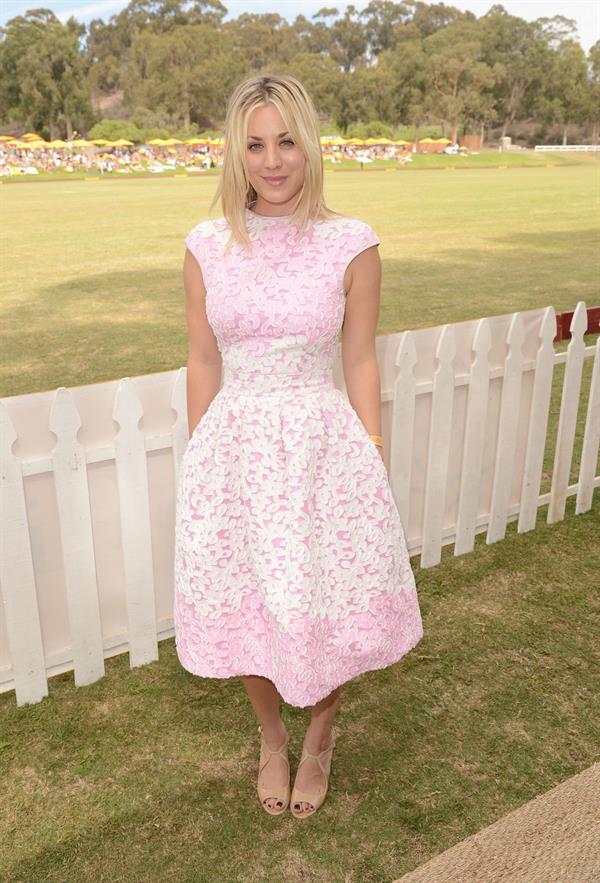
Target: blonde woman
x=291, y=566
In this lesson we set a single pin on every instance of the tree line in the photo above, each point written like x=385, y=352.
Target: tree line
x=168, y=67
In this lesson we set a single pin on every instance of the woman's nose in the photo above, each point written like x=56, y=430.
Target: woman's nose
x=272, y=157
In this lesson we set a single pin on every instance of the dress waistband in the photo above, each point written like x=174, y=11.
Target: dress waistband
x=257, y=383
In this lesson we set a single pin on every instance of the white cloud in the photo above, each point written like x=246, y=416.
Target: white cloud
x=88, y=10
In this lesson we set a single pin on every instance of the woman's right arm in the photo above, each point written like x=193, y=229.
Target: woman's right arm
x=204, y=357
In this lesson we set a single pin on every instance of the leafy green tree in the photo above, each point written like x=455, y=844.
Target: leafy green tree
x=321, y=76
x=113, y=130
x=457, y=73
x=43, y=66
x=407, y=71
x=512, y=48
x=170, y=65
x=594, y=94
x=384, y=22
x=432, y=17
x=348, y=41
x=186, y=72
x=566, y=94
x=314, y=38
x=262, y=40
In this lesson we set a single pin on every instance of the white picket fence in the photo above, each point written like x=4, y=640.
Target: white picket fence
x=576, y=148
x=89, y=477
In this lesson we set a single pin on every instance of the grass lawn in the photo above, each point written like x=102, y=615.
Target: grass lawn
x=149, y=775
x=93, y=288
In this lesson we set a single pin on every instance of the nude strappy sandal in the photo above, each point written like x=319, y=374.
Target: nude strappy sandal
x=317, y=797
x=265, y=793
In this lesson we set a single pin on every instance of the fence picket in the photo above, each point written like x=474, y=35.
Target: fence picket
x=591, y=441
x=476, y=416
x=132, y=483
x=439, y=448
x=538, y=424
x=507, y=432
x=75, y=523
x=402, y=425
x=567, y=421
x=17, y=579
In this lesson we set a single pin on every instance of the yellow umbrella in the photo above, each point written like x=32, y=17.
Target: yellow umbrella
x=31, y=135
x=7, y=138
x=120, y=142
x=443, y=140
x=99, y=142
x=157, y=142
x=400, y=141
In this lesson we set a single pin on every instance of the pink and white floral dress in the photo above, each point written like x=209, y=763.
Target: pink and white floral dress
x=290, y=557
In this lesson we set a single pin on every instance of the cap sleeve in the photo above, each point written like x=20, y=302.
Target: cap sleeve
x=358, y=237
x=198, y=242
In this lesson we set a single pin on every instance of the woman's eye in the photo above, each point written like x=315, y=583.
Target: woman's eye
x=287, y=141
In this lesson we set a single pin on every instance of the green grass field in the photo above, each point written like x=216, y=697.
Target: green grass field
x=149, y=775
x=92, y=285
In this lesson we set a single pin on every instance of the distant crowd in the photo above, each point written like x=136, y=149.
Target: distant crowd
x=147, y=158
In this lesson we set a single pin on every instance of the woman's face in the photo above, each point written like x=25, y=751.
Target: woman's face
x=272, y=153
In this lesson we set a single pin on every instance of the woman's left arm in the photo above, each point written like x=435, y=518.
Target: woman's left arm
x=362, y=282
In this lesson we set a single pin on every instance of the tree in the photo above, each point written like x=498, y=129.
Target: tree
x=262, y=40
x=457, y=73
x=186, y=73
x=407, y=71
x=42, y=64
x=594, y=94
x=384, y=21
x=512, y=48
x=432, y=17
x=348, y=41
x=321, y=76
x=566, y=95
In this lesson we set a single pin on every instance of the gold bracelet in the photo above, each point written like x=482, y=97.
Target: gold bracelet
x=376, y=439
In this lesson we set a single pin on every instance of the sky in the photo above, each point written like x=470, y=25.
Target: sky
x=586, y=13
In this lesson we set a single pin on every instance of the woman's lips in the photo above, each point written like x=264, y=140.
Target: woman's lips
x=275, y=181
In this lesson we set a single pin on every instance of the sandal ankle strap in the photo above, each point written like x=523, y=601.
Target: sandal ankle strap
x=318, y=757
x=282, y=750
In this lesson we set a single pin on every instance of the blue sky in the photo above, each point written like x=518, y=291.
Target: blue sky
x=585, y=12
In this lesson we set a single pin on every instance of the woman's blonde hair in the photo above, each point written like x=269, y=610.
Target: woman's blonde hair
x=234, y=189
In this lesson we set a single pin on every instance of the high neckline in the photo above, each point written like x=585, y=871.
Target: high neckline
x=267, y=217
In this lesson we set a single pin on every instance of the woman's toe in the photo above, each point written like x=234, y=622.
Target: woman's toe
x=303, y=807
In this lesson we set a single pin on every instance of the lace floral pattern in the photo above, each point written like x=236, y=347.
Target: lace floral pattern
x=290, y=557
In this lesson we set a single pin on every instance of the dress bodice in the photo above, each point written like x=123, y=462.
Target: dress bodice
x=276, y=309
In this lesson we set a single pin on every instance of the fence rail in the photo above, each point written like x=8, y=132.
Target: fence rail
x=581, y=148
x=89, y=477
